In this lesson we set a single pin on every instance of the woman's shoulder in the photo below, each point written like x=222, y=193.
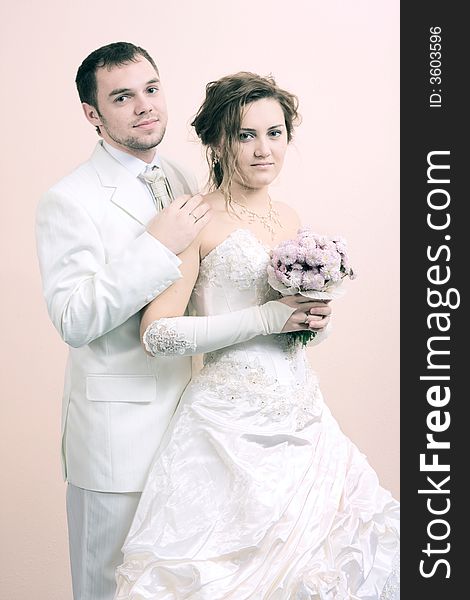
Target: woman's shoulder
x=215, y=200
x=287, y=214
x=219, y=225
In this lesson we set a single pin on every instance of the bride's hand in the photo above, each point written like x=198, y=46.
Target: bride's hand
x=309, y=314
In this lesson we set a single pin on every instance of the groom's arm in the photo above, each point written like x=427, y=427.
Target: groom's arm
x=87, y=293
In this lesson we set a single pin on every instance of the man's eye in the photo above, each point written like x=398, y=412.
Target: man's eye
x=121, y=99
x=152, y=90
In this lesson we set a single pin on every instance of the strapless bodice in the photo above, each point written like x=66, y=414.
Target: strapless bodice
x=268, y=369
x=233, y=276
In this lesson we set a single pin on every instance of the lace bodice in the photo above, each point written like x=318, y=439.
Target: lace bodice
x=233, y=276
x=267, y=369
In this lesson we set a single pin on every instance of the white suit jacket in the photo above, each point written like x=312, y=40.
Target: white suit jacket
x=99, y=268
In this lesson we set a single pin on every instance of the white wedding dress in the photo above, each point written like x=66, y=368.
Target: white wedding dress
x=256, y=493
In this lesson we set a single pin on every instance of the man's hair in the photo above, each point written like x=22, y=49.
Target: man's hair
x=112, y=55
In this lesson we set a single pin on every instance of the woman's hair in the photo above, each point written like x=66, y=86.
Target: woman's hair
x=218, y=121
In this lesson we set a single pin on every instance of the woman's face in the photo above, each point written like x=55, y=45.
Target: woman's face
x=263, y=143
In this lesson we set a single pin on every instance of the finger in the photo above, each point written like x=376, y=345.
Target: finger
x=192, y=202
x=180, y=201
x=314, y=318
x=304, y=300
x=301, y=299
x=317, y=323
x=300, y=318
x=315, y=301
x=321, y=310
x=314, y=307
x=200, y=211
x=202, y=221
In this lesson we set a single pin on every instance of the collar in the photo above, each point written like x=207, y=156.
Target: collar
x=133, y=164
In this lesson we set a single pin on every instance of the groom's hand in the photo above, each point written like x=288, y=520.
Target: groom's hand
x=177, y=225
x=309, y=314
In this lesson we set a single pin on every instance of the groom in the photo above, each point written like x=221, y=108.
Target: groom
x=107, y=244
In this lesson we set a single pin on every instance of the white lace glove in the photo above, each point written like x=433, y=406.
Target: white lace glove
x=198, y=335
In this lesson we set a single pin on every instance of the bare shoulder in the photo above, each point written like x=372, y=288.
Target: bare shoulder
x=287, y=215
x=215, y=200
x=219, y=215
x=219, y=225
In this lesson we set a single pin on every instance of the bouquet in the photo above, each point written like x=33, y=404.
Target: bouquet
x=313, y=265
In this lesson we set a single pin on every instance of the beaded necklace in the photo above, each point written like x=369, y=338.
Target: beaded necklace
x=270, y=220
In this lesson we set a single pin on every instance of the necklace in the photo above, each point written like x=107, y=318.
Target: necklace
x=270, y=221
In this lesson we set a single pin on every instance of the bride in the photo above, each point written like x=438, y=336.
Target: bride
x=255, y=492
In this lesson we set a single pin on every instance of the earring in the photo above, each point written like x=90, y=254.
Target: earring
x=215, y=160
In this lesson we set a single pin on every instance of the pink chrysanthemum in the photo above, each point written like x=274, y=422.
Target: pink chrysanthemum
x=312, y=281
x=296, y=278
x=309, y=263
x=288, y=254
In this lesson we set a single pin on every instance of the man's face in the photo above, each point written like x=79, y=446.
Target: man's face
x=131, y=109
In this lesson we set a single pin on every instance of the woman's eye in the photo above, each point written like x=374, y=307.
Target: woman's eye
x=244, y=136
x=275, y=133
x=152, y=90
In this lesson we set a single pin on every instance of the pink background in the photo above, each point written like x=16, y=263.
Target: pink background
x=342, y=172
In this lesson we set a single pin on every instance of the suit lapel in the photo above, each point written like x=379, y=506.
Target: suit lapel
x=176, y=182
x=125, y=190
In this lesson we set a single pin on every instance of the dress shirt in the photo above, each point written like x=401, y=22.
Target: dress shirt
x=134, y=165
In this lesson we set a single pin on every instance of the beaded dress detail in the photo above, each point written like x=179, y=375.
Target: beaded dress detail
x=255, y=492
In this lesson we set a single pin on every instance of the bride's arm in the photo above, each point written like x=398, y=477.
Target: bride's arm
x=166, y=332
x=174, y=300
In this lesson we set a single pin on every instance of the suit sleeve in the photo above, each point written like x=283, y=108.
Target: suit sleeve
x=175, y=171
x=87, y=294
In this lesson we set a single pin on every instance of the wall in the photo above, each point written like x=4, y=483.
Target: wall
x=342, y=174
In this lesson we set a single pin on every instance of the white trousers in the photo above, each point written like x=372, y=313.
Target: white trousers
x=98, y=523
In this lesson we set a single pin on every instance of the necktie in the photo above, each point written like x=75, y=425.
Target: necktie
x=158, y=185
